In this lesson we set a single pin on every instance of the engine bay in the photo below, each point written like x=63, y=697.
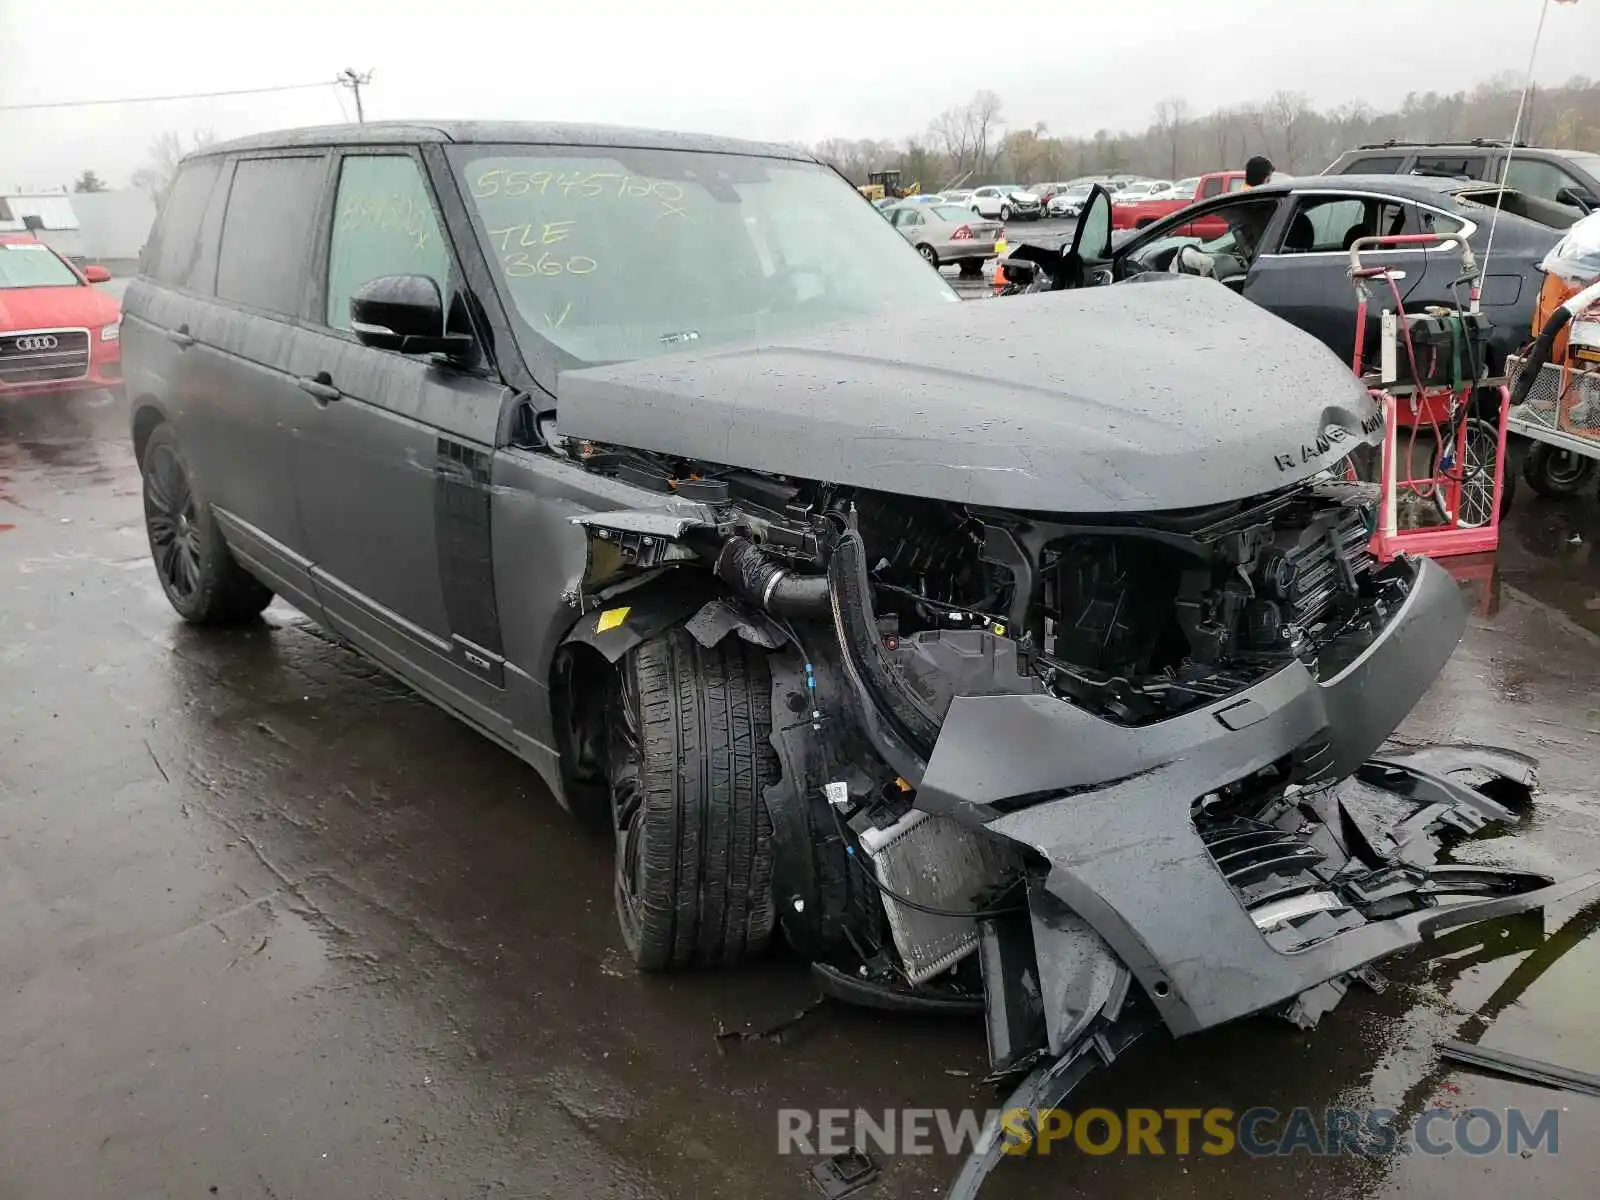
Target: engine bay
x=1134, y=618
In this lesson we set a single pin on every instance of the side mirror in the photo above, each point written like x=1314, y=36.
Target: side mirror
x=1092, y=241
x=1578, y=198
x=97, y=274
x=404, y=313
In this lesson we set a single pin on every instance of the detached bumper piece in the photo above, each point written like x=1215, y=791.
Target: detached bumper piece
x=1334, y=881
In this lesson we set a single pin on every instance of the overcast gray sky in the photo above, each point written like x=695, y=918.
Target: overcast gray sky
x=785, y=71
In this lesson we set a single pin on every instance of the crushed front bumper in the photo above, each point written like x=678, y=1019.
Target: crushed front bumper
x=1218, y=920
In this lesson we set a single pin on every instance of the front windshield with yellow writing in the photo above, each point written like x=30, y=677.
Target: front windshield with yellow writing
x=615, y=254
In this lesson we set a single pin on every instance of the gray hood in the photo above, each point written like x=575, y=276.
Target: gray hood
x=1112, y=399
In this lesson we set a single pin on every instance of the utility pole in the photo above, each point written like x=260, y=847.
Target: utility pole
x=348, y=78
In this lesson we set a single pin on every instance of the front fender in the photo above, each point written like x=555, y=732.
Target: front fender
x=642, y=612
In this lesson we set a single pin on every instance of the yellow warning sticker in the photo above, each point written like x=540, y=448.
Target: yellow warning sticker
x=610, y=619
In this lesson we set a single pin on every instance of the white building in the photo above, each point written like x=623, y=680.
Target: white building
x=101, y=227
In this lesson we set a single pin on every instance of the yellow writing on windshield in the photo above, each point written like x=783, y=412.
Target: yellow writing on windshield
x=520, y=264
x=529, y=234
x=585, y=184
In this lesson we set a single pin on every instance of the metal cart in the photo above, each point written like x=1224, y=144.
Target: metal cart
x=1561, y=412
x=1426, y=379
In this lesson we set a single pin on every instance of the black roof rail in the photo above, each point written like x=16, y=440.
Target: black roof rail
x=1394, y=143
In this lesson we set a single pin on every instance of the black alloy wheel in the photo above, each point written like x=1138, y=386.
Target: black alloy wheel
x=169, y=515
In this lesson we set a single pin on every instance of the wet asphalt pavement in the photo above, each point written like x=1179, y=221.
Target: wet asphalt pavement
x=274, y=928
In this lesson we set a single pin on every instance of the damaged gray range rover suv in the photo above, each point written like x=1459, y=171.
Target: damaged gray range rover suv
x=1024, y=659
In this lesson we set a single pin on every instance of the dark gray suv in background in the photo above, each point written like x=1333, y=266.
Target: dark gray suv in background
x=1570, y=177
x=904, y=625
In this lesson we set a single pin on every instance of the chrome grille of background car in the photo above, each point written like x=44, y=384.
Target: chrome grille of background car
x=25, y=358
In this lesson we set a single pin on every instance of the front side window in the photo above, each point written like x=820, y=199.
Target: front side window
x=265, y=235
x=383, y=224
x=607, y=254
x=33, y=264
x=1232, y=231
x=1542, y=179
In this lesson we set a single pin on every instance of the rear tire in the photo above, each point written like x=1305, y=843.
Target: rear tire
x=690, y=757
x=929, y=255
x=1555, y=473
x=202, y=580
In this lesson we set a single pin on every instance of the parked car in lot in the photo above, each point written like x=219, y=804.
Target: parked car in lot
x=1006, y=201
x=1569, y=177
x=1141, y=189
x=961, y=196
x=1047, y=192
x=1069, y=201
x=1139, y=212
x=838, y=602
x=58, y=332
x=947, y=233
x=1286, y=245
x=1182, y=189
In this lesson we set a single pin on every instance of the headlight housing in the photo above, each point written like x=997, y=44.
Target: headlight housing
x=111, y=332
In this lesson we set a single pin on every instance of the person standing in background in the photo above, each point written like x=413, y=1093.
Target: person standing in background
x=1258, y=171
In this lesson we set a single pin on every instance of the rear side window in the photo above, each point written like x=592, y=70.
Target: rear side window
x=271, y=211
x=184, y=254
x=1472, y=166
x=1380, y=164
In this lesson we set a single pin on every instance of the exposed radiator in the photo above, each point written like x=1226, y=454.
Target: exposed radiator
x=937, y=862
x=1323, y=565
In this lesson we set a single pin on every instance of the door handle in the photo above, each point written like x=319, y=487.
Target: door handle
x=180, y=337
x=319, y=387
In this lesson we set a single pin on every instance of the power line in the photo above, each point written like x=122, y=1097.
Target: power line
x=282, y=87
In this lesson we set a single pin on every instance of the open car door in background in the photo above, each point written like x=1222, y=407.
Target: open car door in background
x=1083, y=263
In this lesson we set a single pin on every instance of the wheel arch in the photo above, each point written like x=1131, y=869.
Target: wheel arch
x=581, y=671
x=146, y=413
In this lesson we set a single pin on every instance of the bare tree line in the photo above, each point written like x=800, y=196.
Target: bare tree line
x=974, y=140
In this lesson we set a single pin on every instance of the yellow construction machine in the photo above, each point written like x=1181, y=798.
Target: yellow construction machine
x=882, y=185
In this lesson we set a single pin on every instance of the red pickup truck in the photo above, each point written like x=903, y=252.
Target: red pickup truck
x=1139, y=213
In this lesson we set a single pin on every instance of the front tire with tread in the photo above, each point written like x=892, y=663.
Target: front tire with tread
x=202, y=579
x=690, y=759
